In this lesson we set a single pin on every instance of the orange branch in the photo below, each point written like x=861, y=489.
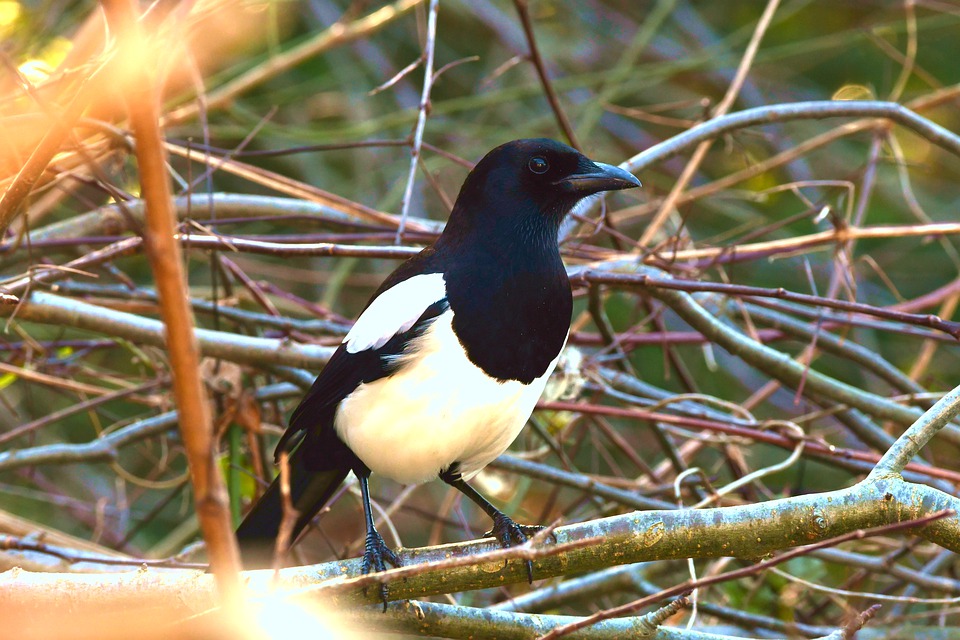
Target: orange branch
x=143, y=103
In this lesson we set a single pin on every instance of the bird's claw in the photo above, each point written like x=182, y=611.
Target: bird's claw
x=511, y=534
x=375, y=551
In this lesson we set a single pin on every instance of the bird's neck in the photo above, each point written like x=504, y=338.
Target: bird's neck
x=516, y=240
x=510, y=296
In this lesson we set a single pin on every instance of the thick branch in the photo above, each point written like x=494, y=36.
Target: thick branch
x=775, y=363
x=813, y=110
x=107, y=447
x=166, y=263
x=911, y=441
x=748, y=531
x=452, y=621
x=52, y=309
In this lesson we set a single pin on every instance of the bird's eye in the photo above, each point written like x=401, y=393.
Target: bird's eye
x=538, y=165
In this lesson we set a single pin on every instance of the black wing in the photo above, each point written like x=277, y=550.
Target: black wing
x=322, y=460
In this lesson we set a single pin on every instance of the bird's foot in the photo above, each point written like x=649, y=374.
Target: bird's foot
x=375, y=552
x=511, y=534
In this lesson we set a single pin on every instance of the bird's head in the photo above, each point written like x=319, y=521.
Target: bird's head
x=538, y=180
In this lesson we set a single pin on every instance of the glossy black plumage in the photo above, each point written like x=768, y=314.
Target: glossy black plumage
x=506, y=297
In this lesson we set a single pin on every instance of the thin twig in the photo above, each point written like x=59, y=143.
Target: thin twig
x=910, y=57
x=290, y=514
x=288, y=186
x=103, y=398
x=12, y=200
x=850, y=630
x=71, y=556
x=337, y=34
x=423, y=108
x=538, y=64
x=625, y=279
x=820, y=449
x=701, y=151
x=54, y=381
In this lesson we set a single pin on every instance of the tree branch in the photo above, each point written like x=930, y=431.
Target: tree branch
x=423, y=108
x=166, y=262
x=56, y=310
x=918, y=435
x=338, y=33
x=774, y=363
x=107, y=447
x=748, y=531
x=562, y=121
x=812, y=110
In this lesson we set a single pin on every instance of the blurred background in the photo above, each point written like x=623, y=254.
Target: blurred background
x=314, y=100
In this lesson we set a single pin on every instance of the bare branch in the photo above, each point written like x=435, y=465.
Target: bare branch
x=423, y=108
x=56, y=310
x=918, y=435
x=537, y=60
x=336, y=35
x=701, y=151
x=746, y=531
x=815, y=110
x=143, y=103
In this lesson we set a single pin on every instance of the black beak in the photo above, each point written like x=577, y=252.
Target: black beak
x=599, y=177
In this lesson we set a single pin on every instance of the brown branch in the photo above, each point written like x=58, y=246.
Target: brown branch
x=937, y=296
x=291, y=187
x=73, y=556
x=747, y=531
x=701, y=151
x=715, y=255
x=53, y=381
x=339, y=33
x=12, y=200
x=104, y=396
x=290, y=515
x=548, y=89
x=47, y=275
x=627, y=279
x=166, y=262
x=850, y=630
x=813, y=447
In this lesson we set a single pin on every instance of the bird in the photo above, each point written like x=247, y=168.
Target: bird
x=443, y=367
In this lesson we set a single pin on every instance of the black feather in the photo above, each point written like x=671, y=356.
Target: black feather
x=511, y=303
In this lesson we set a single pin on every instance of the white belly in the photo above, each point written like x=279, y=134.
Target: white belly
x=437, y=410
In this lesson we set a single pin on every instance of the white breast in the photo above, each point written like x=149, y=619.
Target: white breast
x=436, y=410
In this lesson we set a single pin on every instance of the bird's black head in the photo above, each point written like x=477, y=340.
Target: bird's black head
x=533, y=181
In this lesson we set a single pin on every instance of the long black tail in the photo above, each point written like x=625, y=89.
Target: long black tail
x=310, y=490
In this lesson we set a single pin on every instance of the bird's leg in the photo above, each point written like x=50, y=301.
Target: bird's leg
x=375, y=550
x=505, y=530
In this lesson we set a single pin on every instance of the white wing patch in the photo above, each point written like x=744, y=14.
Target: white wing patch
x=395, y=311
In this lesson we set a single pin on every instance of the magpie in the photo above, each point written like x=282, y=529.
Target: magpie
x=445, y=364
